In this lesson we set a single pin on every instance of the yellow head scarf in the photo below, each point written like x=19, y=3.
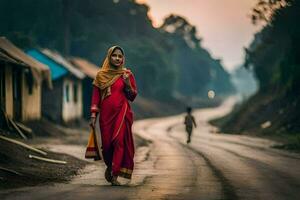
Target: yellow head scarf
x=106, y=76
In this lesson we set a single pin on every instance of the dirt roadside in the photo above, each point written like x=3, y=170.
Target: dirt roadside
x=17, y=169
x=20, y=170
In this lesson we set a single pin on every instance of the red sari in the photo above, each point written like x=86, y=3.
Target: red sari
x=116, y=118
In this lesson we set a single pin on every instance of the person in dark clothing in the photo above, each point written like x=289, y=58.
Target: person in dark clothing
x=189, y=122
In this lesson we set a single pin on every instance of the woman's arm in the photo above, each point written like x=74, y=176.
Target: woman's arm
x=96, y=97
x=130, y=88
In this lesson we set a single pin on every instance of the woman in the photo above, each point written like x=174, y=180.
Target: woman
x=113, y=86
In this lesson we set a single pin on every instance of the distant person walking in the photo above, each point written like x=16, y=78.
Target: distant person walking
x=113, y=86
x=189, y=122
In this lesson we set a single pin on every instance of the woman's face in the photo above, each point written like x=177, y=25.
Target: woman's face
x=117, y=58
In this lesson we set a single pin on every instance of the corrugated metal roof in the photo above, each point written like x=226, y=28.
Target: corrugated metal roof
x=62, y=61
x=85, y=66
x=39, y=71
x=57, y=70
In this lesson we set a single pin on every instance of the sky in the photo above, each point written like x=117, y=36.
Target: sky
x=224, y=25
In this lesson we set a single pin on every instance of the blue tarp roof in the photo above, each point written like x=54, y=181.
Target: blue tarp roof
x=56, y=69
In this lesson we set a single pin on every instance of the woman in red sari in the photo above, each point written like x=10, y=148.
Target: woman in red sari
x=113, y=86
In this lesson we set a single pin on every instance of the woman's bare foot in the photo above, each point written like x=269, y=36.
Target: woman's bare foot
x=115, y=182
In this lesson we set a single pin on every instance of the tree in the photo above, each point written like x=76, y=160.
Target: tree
x=274, y=52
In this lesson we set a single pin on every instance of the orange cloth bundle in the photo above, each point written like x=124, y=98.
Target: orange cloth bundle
x=92, y=150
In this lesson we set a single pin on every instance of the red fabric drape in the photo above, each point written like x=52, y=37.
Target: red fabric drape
x=116, y=118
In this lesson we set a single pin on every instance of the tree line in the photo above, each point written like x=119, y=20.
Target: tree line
x=274, y=53
x=167, y=61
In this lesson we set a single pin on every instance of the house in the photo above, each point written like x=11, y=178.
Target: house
x=21, y=82
x=63, y=103
x=90, y=70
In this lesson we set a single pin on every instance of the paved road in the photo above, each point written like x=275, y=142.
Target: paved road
x=212, y=166
x=247, y=167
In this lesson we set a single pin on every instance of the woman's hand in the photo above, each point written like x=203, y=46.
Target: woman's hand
x=126, y=79
x=93, y=122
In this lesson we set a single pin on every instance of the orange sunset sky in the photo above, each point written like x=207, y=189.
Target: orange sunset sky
x=224, y=25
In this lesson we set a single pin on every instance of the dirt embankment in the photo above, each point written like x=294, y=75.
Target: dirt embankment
x=18, y=169
x=267, y=114
x=22, y=164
